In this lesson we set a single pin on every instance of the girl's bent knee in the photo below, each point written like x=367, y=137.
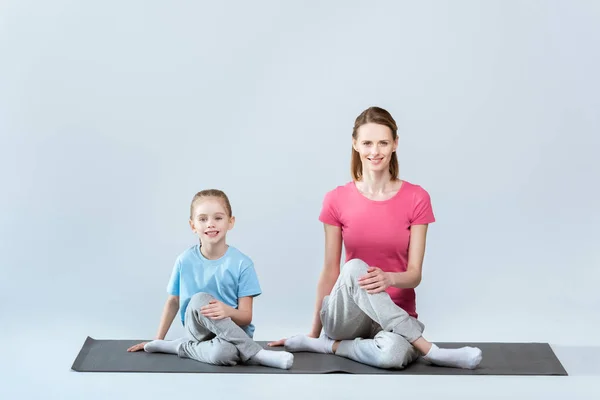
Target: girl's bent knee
x=200, y=299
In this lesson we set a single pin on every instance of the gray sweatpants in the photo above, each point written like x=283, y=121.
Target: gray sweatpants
x=373, y=330
x=218, y=342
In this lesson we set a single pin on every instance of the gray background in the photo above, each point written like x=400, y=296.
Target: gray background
x=114, y=113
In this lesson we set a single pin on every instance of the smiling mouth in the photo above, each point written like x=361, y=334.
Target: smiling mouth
x=211, y=233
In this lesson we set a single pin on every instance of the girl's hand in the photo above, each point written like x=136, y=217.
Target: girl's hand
x=137, y=347
x=216, y=310
x=375, y=280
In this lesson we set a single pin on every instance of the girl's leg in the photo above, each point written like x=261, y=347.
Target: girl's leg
x=200, y=345
x=199, y=328
x=229, y=332
x=215, y=351
x=220, y=342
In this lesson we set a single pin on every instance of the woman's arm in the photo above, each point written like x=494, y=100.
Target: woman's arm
x=416, y=253
x=376, y=280
x=329, y=273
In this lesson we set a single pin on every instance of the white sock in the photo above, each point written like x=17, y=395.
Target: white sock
x=465, y=357
x=164, y=346
x=322, y=344
x=274, y=359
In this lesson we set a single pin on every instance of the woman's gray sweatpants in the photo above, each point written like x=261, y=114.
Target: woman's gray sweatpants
x=218, y=342
x=372, y=328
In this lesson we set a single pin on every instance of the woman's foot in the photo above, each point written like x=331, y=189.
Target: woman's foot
x=164, y=346
x=465, y=357
x=322, y=344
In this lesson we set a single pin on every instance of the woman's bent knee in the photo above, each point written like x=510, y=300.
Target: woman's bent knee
x=393, y=351
x=354, y=268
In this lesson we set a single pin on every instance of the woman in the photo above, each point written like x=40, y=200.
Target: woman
x=367, y=309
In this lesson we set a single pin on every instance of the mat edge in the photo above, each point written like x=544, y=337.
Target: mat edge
x=85, y=348
x=89, y=341
x=565, y=372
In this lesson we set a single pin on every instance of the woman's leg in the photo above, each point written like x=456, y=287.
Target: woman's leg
x=349, y=301
x=385, y=350
x=342, y=315
x=348, y=304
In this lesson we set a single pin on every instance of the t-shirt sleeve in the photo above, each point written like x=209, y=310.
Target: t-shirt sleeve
x=248, y=282
x=329, y=210
x=173, y=285
x=423, y=212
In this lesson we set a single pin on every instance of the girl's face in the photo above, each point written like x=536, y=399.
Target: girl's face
x=210, y=221
x=375, y=145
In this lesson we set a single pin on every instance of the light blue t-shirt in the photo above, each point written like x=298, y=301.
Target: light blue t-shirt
x=226, y=279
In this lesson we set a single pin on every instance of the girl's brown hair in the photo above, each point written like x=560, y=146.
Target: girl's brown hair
x=211, y=193
x=379, y=116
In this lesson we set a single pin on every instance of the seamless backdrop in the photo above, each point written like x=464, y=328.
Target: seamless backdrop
x=114, y=113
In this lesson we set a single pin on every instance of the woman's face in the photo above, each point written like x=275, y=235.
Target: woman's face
x=375, y=145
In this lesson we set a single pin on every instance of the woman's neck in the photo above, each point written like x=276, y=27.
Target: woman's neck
x=376, y=183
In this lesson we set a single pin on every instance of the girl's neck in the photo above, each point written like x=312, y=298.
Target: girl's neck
x=214, y=251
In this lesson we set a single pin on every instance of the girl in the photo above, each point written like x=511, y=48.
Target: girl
x=367, y=310
x=212, y=287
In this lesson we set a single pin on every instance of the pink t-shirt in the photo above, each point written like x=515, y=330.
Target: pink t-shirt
x=378, y=232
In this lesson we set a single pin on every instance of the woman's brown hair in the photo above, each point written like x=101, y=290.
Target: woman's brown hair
x=376, y=115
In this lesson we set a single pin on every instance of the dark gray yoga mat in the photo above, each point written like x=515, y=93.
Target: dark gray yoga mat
x=498, y=359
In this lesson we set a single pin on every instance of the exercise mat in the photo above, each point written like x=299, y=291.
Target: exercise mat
x=498, y=359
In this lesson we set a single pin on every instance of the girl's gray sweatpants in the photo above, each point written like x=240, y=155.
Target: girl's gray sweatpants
x=217, y=342
x=372, y=328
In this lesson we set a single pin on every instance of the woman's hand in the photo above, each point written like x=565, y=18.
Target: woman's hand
x=375, y=280
x=216, y=310
x=137, y=347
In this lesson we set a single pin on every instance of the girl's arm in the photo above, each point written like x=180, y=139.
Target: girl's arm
x=329, y=273
x=169, y=312
x=242, y=316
